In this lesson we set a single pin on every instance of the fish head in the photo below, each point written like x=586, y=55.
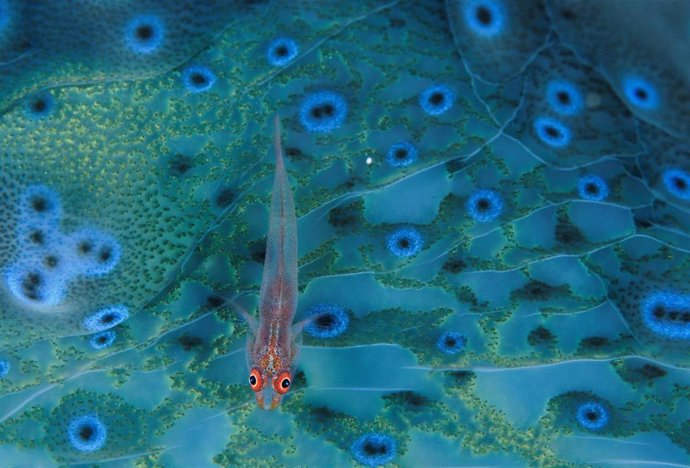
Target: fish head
x=271, y=375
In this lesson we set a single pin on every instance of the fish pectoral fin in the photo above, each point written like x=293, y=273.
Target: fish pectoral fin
x=299, y=326
x=251, y=321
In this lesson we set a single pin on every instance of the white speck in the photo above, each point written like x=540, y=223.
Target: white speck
x=369, y=161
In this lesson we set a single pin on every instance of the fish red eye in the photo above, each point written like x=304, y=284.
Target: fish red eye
x=255, y=380
x=282, y=383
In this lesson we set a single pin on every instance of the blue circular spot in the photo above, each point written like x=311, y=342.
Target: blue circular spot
x=144, y=34
x=451, y=342
x=437, y=99
x=564, y=97
x=640, y=92
x=52, y=262
x=552, y=132
x=592, y=416
x=592, y=187
x=281, y=51
x=103, y=339
x=485, y=18
x=36, y=236
x=677, y=182
x=484, y=205
x=106, y=318
x=374, y=449
x=332, y=321
x=41, y=204
x=39, y=105
x=405, y=242
x=402, y=154
x=322, y=111
x=198, y=78
x=87, y=433
x=667, y=314
x=32, y=284
x=4, y=367
x=93, y=252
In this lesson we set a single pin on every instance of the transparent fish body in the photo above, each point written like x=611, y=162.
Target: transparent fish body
x=273, y=342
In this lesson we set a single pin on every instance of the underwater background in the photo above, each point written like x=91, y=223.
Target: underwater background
x=493, y=203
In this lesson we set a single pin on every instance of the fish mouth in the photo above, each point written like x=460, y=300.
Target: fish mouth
x=271, y=404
